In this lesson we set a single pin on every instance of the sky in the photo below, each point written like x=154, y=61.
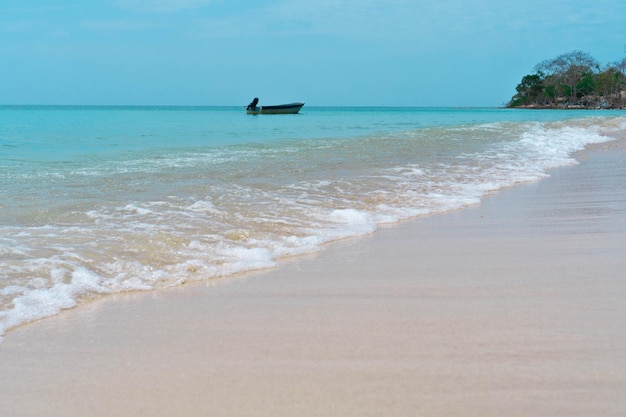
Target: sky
x=323, y=52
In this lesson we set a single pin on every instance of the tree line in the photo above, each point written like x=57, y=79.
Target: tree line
x=573, y=80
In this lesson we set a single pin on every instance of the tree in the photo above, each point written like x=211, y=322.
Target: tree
x=529, y=91
x=573, y=79
x=609, y=82
x=620, y=68
x=586, y=85
x=566, y=71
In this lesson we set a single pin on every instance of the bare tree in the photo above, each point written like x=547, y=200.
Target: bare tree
x=574, y=78
x=567, y=70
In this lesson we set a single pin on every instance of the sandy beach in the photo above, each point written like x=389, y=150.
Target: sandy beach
x=511, y=308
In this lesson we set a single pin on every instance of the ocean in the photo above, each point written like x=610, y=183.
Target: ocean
x=96, y=200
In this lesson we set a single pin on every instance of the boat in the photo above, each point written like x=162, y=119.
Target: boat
x=291, y=108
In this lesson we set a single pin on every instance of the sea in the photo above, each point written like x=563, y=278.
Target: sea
x=97, y=200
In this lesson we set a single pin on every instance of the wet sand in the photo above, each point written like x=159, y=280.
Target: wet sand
x=511, y=308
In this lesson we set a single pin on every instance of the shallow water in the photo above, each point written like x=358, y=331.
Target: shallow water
x=97, y=200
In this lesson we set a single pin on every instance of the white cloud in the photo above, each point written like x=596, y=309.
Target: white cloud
x=16, y=26
x=369, y=19
x=357, y=17
x=120, y=25
x=162, y=6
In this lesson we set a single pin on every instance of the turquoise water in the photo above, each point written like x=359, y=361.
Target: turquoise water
x=98, y=200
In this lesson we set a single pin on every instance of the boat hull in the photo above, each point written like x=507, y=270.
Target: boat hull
x=291, y=108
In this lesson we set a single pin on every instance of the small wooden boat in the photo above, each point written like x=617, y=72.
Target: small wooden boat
x=291, y=108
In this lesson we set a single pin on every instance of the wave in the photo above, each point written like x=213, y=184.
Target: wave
x=142, y=223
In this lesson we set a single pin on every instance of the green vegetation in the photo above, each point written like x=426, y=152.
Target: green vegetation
x=573, y=81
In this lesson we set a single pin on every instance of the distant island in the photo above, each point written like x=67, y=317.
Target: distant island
x=573, y=80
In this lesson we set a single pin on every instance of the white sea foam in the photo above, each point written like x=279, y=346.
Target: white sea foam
x=358, y=222
x=138, y=223
x=203, y=206
x=44, y=302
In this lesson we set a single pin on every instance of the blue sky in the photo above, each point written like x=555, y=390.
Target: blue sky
x=323, y=52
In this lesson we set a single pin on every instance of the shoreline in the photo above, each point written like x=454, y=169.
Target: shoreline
x=562, y=107
x=512, y=307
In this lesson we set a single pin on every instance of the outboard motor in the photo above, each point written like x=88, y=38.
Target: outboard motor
x=252, y=106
